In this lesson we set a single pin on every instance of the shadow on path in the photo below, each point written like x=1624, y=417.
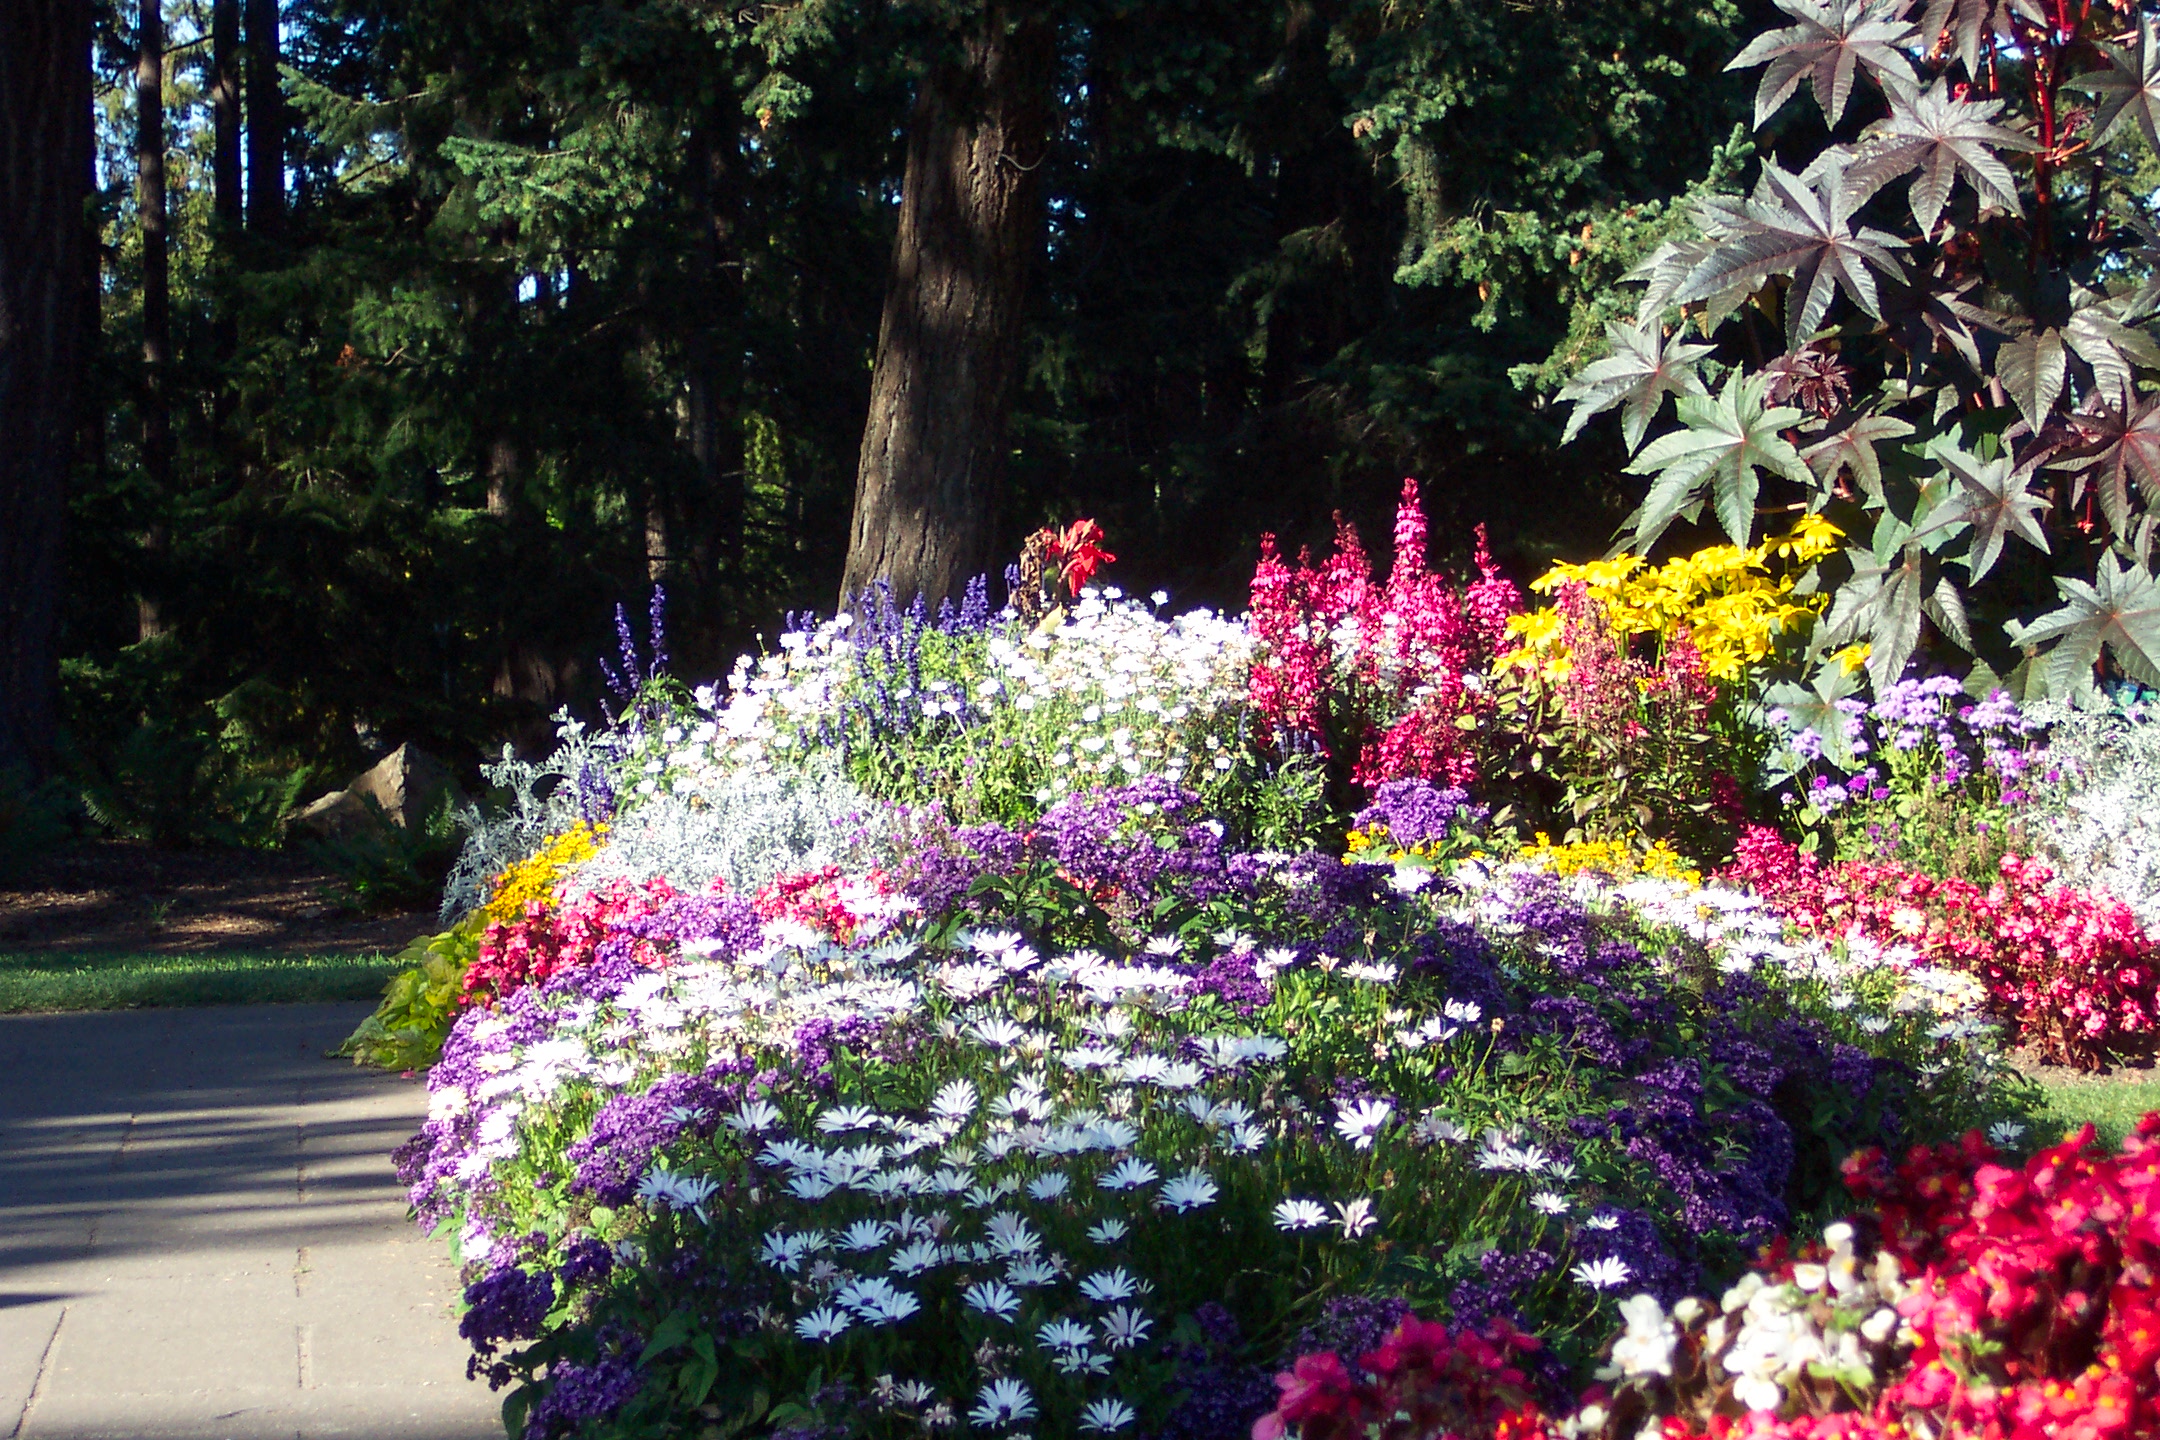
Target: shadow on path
x=201, y=1236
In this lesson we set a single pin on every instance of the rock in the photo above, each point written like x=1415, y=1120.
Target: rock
x=406, y=785
x=335, y=816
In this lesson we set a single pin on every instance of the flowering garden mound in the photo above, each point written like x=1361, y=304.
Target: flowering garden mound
x=1070, y=1018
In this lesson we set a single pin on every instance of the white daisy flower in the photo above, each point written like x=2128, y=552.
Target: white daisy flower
x=1107, y=1286
x=1300, y=1215
x=1002, y=1402
x=823, y=1323
x=992, y=1297
x=1363, y=1122
x=1124, y=1327
x=1355, y=1217
x=1607, y=1274
x=1189, y=1191
x=1107, y=1416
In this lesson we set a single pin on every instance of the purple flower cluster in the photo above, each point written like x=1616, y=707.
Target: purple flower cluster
x=1224, y=1395
x=1111, y=838
x=577, y=1394
x=507, y=1303
x=1235, y=978
x=614, y=1155
x=1353, y=1325
x=1918, y=715
x=1415, y=813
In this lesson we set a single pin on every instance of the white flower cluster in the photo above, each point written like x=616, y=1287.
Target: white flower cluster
x=1835, y=1323
x=1109, y=690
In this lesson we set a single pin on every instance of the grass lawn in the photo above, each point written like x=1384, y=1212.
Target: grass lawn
x=123, y=981
x=2112, y=1103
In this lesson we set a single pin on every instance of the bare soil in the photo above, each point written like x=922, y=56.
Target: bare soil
x=111, y=895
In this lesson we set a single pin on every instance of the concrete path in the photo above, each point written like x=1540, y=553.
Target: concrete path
x=201, y=1237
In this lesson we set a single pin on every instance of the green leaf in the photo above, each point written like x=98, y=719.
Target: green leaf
x=1994, y=503
x=2129, y=89
x=1851, y=448
x=1728, y=440
x=2032, y=367
x=2119, y=612
x=1831, y=41
x=1642, y=369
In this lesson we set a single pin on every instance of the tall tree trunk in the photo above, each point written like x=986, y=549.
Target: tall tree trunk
x=224, y=88
x=155, y=403
x=265, y=121
x=714, y=406
x=45, y=174
x=927, y=482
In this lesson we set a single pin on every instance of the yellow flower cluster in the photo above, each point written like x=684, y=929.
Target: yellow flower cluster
x=1734, y=602
x=535, y=877
x=1616, y=858
x=1377, y=847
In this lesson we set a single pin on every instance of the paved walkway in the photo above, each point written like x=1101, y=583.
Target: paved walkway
x=201, y=1237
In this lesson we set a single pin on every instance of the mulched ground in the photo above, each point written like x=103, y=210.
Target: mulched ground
x=111, y=895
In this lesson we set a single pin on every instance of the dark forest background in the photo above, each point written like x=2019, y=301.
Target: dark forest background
x=419, y=334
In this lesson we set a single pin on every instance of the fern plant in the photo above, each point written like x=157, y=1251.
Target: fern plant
x=1931, y=318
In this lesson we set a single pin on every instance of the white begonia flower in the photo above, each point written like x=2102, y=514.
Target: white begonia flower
x=1646, y=1344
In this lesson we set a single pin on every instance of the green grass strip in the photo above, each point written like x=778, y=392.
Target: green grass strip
x=126, y=981
x=2113, y=1105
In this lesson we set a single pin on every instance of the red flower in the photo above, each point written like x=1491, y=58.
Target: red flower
x=1079, y=553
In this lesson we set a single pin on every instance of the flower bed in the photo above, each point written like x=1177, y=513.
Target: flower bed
x=1077, y=1020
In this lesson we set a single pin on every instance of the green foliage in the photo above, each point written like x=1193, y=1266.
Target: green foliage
x=1963, y=276
x=34, y=820
x=381, y=866
x=407, y=1030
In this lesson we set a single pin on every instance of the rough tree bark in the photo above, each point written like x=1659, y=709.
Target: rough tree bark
x=45, y=172
x=154, y=402
x=926, y=484
x=265, y=121
x=224, y=89
x=714, y=416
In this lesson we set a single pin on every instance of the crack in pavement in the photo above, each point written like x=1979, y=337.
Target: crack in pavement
x=37, y=1382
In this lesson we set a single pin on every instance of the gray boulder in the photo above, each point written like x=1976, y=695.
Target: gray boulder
x=404, y=786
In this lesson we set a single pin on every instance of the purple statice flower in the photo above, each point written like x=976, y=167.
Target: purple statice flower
x=1415, y=813
x=507, y=1303
x=614, y=1155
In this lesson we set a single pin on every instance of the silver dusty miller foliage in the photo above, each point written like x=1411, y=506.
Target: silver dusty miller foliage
x=2099, y=819
x=743, y=827
x=541, y=798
